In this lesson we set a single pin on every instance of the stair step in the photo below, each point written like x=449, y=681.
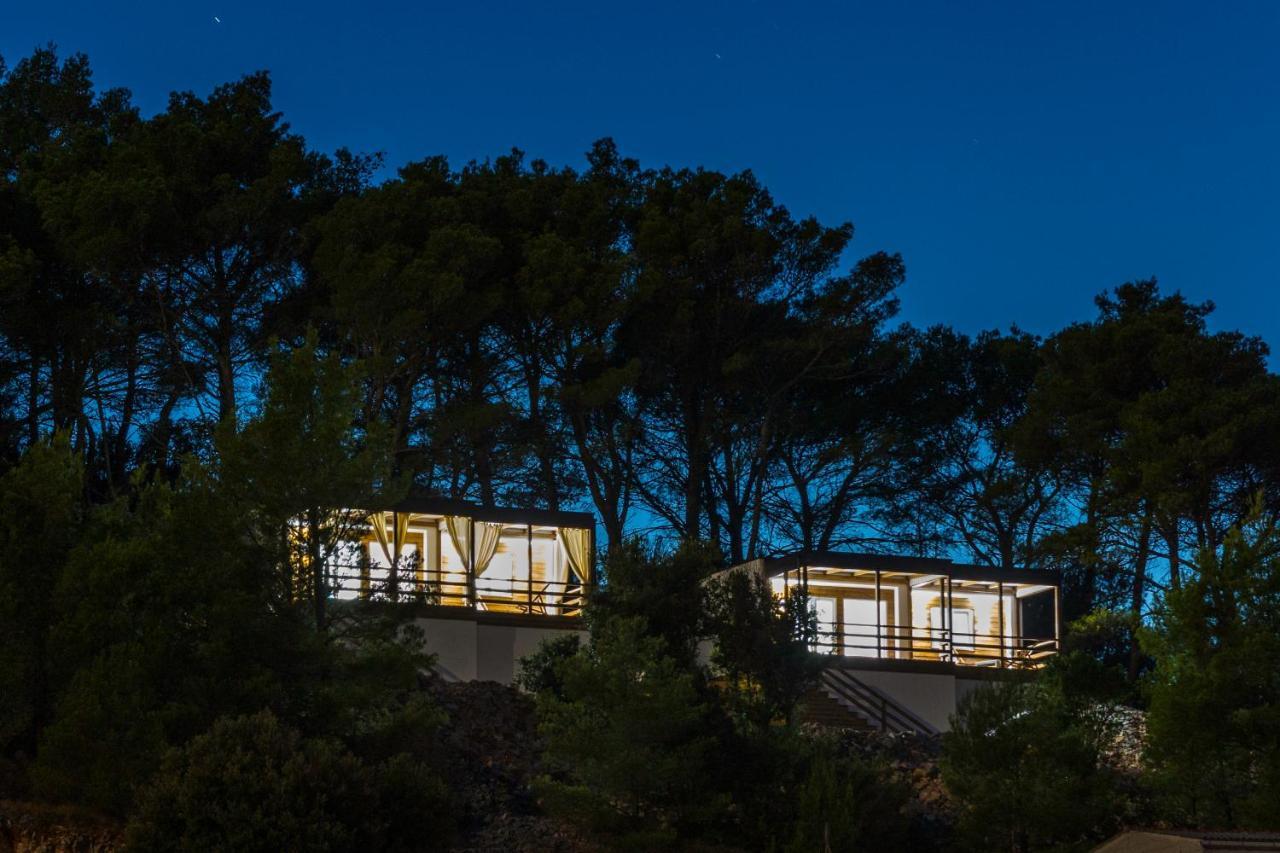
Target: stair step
x=878, y=710
x=819, y=708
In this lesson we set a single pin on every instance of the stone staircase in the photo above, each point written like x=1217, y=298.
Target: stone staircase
x=820, y=708
x=842, y=700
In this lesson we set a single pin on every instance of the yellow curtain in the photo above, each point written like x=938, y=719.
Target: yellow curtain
x=378, y=521
x=401, y=522
x=402, y=531
x=299, y=561
x=486, y=544
x=576, y=542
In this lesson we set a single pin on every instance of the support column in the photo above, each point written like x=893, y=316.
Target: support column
x=472, y=597
x=436, y=568
x=879, y=626
x=1057, y=620
x=1000, y=617
x=948, y=619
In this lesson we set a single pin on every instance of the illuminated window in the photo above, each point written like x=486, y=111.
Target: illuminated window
x=962, y=636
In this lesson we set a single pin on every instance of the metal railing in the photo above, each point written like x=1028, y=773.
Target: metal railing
x=872, y=704
x=412, y=584
x=906, y=642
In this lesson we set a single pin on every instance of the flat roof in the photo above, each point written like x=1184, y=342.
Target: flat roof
x=503, y=515
x=791, y=562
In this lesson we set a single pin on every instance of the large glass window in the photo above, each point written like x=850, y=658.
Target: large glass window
x=824, y=614
x=548, y=572
x=380, y=568
x=961, y=624
x=508, y=571
x=861, y=632
x=344, y=570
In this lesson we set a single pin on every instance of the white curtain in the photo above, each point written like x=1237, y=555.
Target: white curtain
x=487, y=536
x=486, y=544
x=576, y=543
x=459, y=529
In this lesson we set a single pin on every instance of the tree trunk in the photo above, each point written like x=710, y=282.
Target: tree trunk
x=1173, y=543
x=1139, y=591
x=314, y=557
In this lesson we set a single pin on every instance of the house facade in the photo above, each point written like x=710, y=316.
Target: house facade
x=487, y=584
x=907, y=637
x=903, y=638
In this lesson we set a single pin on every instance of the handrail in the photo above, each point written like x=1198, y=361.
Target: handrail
x=934, y=643
x=411, y=584
x=873, y=704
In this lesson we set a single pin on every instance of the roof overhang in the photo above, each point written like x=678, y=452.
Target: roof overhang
x=501, y=515
x=930, y=568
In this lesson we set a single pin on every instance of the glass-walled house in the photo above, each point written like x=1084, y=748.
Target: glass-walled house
x=922, y=609
x=455, y=554
x=907, y=638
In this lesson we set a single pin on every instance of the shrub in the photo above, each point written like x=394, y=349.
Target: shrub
x=252, y=783
x=1023, y=761
x=846, y=804
x=539, y=671
x=630, y=734
x=761, y=647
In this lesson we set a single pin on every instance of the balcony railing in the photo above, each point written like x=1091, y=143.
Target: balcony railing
x=411, y=585
x=905, y=642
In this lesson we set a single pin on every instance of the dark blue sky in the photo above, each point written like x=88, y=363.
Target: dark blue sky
x=1021, y=156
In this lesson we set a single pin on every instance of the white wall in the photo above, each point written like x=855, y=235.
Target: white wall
x=933, y=697
x=930, y=696
x=476, y=651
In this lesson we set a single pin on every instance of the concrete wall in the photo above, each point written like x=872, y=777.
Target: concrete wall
x=471, y=650
x=965, y=686
x=930, y=696
x=933, y=697
x=480, y=650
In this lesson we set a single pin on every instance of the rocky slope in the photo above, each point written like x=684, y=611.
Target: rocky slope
x=489, y=755
x=36, y=828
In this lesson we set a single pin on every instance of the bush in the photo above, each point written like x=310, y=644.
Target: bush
x=630, y=734
x=540, y=671
x=846, y=804
x=664, y=590
x=252, y=783
x=107, y=738
x=1023, y=760
x=761, y=647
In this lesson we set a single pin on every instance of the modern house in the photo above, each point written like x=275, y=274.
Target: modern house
x=488, y=584
x=907, y=637
x=904, y=638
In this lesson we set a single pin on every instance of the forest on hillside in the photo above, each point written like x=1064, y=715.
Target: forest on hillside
x=207, y=326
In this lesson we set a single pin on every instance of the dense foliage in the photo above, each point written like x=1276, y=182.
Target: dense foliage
x=651, y=745
x=1025, y=760
x=252, y=784
x=1215, y=692
x=175, y=652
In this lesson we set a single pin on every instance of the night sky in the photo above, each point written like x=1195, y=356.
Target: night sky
x=1021, y=156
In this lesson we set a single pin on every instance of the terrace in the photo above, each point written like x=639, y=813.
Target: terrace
x=455, y=554
x=922, y=609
